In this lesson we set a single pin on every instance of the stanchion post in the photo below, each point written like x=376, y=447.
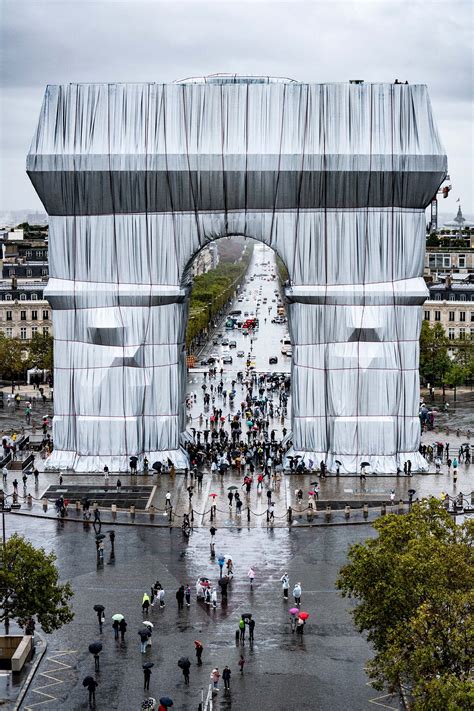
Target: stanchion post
x=366, y=510
x=290, y=514
x=328, y=513
x=170, y=515
x=248, y=514
x=347, y=512
x=383, y=509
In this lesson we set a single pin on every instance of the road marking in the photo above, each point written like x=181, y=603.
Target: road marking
x=53, y=681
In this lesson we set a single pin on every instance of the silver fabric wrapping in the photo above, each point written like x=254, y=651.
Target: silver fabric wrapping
x=137, y=178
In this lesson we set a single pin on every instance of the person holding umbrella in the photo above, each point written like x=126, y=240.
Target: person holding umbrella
x=165, y=703
x=184, y=664
x=91, y=685
x=146, y=675
x=95, y=648
x=100, y=616
x=293, y=612
x=143, y=634
x=285, y=584
x=199, y=649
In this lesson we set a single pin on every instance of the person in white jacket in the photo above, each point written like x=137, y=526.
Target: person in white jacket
x=297, y=593
x=214, y=597
x=285, y=584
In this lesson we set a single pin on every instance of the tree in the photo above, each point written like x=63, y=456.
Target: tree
x=434, y=357
x=414, y=587
x=11, y=357
x=456, y=375
x=29, y=586
x=40, y=352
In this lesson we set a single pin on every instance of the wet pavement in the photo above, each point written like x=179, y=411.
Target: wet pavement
x=323, y=670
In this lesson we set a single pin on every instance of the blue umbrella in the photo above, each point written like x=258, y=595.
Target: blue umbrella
x=166, y=701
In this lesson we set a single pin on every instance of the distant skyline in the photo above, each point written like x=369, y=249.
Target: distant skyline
x=61, y=41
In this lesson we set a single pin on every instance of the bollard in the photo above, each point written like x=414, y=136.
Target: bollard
x=132, y=510
x=365, y=510
x=45, y=504
x=78, y=506
x=347, y=512
x=383, y=509
x=29, y=500
x=248, y=514
x=447, y=430
x=192, y=515
x=290, y=514
x=328, y=513
x=400, y=506
x=151, y=511
x=170, y=515
x=113, y=508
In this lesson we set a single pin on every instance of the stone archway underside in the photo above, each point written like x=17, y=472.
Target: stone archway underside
x=137, y=178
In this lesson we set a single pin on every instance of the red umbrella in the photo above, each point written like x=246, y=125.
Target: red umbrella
x=303, y=615
x=212, y=496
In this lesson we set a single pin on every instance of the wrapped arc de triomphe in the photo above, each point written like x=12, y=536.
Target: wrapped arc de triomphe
x=137, y=178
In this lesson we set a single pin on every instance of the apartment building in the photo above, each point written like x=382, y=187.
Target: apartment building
x=451, y=303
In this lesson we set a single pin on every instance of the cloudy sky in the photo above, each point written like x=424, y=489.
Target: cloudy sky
x=55, y=41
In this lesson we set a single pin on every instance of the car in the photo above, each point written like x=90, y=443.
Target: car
x=240, y=354
x=213, y=357
x=232, y=344
x=227, y=359
x=289, y=353
x=273, y=360
x=246, y=313
x=215, y=341
x=225, y=341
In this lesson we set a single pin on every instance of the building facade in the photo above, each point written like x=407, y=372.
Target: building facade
x=24, y=311
x=452, y=305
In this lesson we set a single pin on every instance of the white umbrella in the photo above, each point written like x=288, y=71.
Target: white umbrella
x=148, y=624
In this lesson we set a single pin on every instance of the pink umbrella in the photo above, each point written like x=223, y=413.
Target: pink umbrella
x=293, y=610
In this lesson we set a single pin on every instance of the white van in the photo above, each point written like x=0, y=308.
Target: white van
x=285, y=346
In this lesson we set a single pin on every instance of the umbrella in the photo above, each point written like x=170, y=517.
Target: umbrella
x=156, y=466
x=293, y=610
x=147, y=623
x=246, y=616
x=313, y=483
x=87, y=680
x=95, y=647
x=231, y=488
x=212, y=496
x=99, y=608
x=148, y=704
x=133, y=460
x=338, y=462
x=365, y=464
x=183, y=662
x=100, y=537
x=303, y=615
x=148, y=665
x=117, y=617
x=311, y=493
x=166, y=701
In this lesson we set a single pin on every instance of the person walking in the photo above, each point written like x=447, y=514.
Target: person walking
x=215, y=676
x=185, y=667
x=167, y=501
x=226, y=677
x=115, y=626
x=123, y=629
x=106, y=476
x=297, y=594
x=180, y=597
x=242, y=629
x=187, y=595
x=143, y=634
x=91, y=687
x=214, y=598
x=5, y=475
x=146, y=678
x=251, y=629
x=145, y=604
x=285, y=584
x=161, y=597
x=251, y=577
x=241, y=664
x=199, y=649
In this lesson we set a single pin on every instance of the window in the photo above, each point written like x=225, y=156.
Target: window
x=39, y=254
x=11, y=272
x=9, y=315
x=451, y=334
x=34, y=315
x=44, y=272
x=462, y=297
x=438, y=297
x=451, y=315
x=427, y=315
x=45, y=315
x=23, y=333
x=472, y=315
x=22, y=315
x=446, y=260
x=9, y=332
x=8, y=297
x=29, y=253
x=437, y=315
x=34, y=331
x=452, y=297
x=45, y=331
x=462, y=315
x=29, y=273
x=462, y=261
x=22, y=297
x=462, y=334
x=34, y=297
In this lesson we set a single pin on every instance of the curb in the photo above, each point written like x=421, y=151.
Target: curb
x=26, y=684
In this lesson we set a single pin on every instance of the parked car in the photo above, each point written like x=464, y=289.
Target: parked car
x=240, y=354
x=227, y=359
x=225, y=341
x=232, y=344
x=273, y=360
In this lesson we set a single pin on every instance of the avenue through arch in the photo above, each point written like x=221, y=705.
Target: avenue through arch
x=137, y=178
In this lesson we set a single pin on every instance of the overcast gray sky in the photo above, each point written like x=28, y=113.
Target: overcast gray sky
x=55, y=41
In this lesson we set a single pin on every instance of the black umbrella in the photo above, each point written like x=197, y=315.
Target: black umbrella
x=156, y=466
x=411, y=492
x=148, y=665
x=100, y=537
x=183, y=662
x=338, y=462
x=166, y=701
x=87, y=680
x=365, y=464
x=99, y=608
x=246, y=615
x=95, y=648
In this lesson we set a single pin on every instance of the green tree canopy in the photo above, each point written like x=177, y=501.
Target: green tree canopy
x=434, y=358
x=414, y=586
x=12, y=362
x=40, y=351
x=29, y=586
